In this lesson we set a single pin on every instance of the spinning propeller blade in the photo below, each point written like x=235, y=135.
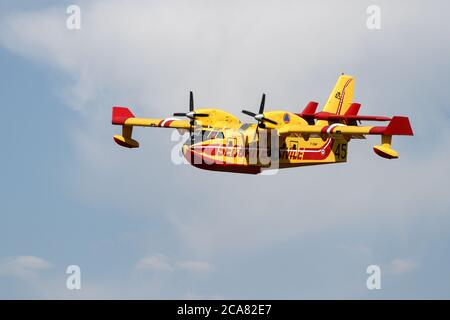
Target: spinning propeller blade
x=260, y=116
x=191, y=115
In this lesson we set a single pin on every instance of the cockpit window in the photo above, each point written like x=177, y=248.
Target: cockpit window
x=204, y=135
x=245, y=126
x=216, y=135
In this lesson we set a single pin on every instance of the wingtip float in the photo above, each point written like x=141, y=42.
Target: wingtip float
x=219, y=141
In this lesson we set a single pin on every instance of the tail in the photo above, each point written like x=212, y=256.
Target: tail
x=340, y=98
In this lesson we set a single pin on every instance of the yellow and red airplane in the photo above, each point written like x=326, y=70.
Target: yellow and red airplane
x=219, y=141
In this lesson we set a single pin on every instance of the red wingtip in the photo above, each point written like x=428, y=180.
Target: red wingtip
x=399, y=126
x=120, y=115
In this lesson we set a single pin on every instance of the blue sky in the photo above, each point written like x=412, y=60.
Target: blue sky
x=142, y=227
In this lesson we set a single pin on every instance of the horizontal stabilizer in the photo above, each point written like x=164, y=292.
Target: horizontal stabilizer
x=336, y=117
x=353, y=109
x=310, y=109
x=368, y=118
x=309, y=112
x=350, y=117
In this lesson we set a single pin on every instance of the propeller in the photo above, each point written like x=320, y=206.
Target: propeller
x=260, y=115
x=191, y=115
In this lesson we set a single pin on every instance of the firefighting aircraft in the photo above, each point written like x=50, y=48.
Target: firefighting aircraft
x=219, y=141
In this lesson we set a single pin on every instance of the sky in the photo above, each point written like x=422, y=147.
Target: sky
x=140, y=226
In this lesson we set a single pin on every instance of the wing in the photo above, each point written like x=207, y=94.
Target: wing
x=397, y=126
x=124, y=117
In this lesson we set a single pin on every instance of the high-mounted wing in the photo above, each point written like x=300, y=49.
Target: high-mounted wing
x=397, y=126
x=212, y=118
x=124, y=117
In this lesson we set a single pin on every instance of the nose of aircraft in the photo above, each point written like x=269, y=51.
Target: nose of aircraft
x=187, y=152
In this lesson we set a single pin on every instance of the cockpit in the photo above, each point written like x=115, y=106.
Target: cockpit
x=204, y=135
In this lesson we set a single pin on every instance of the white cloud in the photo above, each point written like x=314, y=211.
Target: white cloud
x=195, y=266
x=400, y=266
x=151, y=53
x=358, y=249
x=23, y=266
x=156, y=263
x=161, y=262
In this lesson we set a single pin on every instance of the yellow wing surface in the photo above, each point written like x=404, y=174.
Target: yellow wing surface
x=215, y=118
x=339, y=118
x=397, y=126
x=124, y=117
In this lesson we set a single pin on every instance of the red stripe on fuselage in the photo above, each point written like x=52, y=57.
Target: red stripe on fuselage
x=196, y=159
x=320, y=153
x=209, y=150
x=168, y=122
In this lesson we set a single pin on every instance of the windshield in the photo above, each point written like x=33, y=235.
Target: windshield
x=204, y=135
